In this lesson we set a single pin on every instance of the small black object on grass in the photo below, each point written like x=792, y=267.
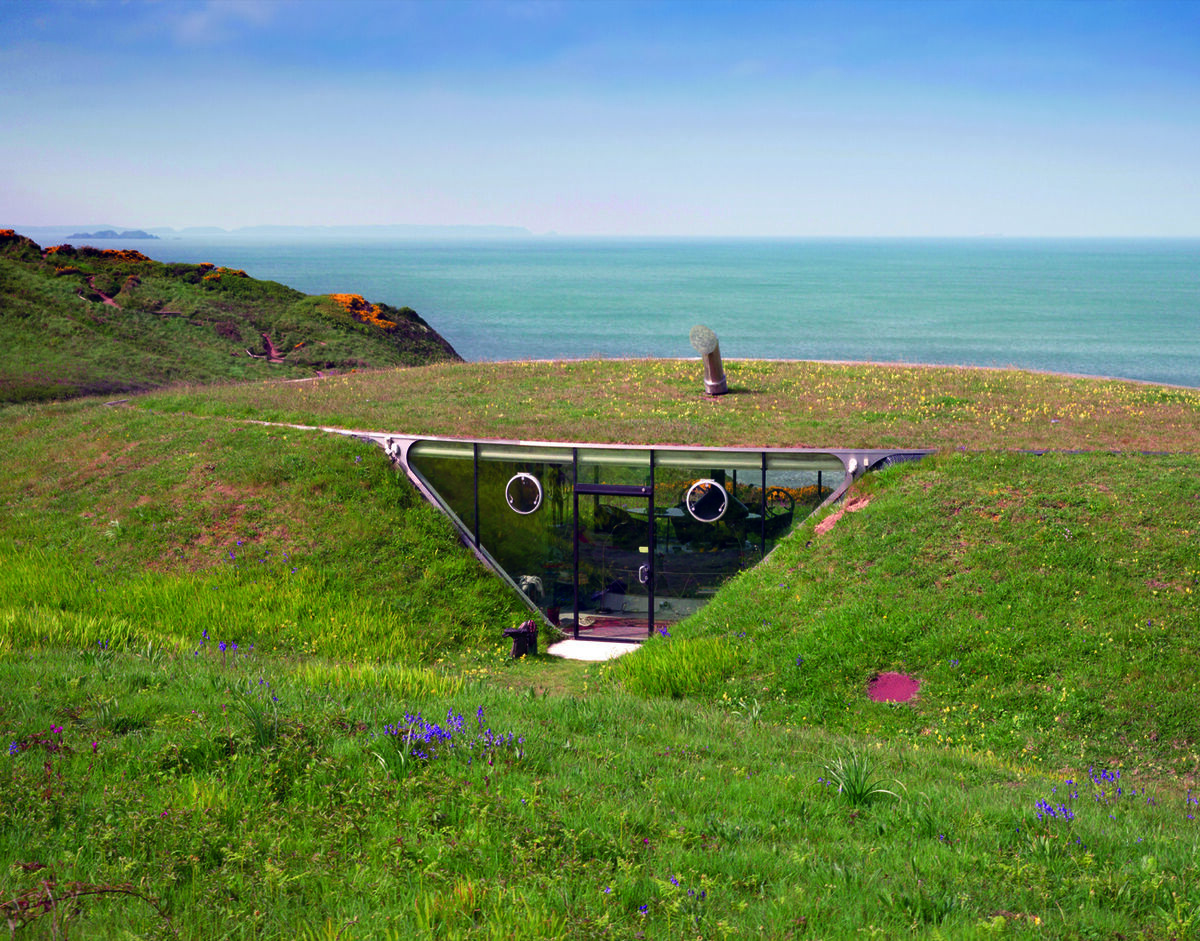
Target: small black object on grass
x=524, y=639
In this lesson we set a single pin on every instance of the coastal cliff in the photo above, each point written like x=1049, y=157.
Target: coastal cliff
x=95, y=321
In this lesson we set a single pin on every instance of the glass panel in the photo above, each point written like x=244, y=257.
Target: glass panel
x=614, y=543
x=696, y=557
x=533, y=546
x=741, y=460
x=617, y=467
x=463, y=450
x=449, y=471
x=792, y=496
x=829, y=463
x=492, y=451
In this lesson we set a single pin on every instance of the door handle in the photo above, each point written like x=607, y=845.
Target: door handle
x=644, y=574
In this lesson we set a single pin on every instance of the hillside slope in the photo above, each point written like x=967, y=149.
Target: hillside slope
x=214, y=634
x=88, y=321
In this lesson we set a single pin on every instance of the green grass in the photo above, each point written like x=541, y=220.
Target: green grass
x=1047, y=604
x=170, y=323
x=770, y=404
x=604, y=815
x=161, y=529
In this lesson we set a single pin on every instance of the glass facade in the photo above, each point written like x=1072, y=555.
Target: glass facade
x=612, y=542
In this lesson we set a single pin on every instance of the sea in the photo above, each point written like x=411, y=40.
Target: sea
x=1096, y=307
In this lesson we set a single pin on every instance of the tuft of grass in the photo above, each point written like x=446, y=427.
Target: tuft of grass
x=852, y=773
x=676, y=668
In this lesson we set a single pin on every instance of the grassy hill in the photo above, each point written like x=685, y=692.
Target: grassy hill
x=235, y=657
x=90, y=321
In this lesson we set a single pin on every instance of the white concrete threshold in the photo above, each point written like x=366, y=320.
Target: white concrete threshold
x=571, y=649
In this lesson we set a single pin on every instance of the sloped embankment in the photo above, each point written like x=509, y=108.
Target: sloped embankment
x=1046, y=604
x=81, y=321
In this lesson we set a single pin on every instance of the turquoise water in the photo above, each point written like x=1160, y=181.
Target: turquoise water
x=1129, y=309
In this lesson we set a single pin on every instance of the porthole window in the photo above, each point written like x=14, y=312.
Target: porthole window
x=524, y=493
x=706, y=501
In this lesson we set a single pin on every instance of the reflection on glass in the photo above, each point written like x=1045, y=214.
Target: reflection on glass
x=450, y=473
x=614, y=545
x=713, y=514
x=534, y=548
x=625, y=467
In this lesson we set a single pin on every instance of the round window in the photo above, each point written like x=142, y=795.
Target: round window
x=706, y=501
x=524, y=493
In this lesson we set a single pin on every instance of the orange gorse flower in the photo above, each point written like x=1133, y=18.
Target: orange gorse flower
x=124, y=254
x=233, y=272
x=205, y=266
x=212, y=276
x=361, y=310
x=60, y=270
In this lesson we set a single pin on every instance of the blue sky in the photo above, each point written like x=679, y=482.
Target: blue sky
x=606, y=118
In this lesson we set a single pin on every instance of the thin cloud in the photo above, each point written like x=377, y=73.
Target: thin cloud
x=218, y=21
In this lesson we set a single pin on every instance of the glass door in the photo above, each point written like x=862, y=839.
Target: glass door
x=614, y=562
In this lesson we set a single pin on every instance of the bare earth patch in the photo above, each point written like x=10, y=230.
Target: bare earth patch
x=851, y=505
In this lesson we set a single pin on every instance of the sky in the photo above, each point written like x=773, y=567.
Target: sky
x=604, y=117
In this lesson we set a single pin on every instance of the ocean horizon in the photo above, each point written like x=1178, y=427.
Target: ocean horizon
x=1121, y=308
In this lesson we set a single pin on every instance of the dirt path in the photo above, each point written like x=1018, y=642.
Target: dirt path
x=104, y=297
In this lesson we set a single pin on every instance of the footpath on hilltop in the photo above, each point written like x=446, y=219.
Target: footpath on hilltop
x=94, y=321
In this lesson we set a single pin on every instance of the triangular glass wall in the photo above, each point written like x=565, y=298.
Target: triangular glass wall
x=611, y=542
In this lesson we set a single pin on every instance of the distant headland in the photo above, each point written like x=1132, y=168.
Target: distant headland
x=113, y=234
x=77, y=233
